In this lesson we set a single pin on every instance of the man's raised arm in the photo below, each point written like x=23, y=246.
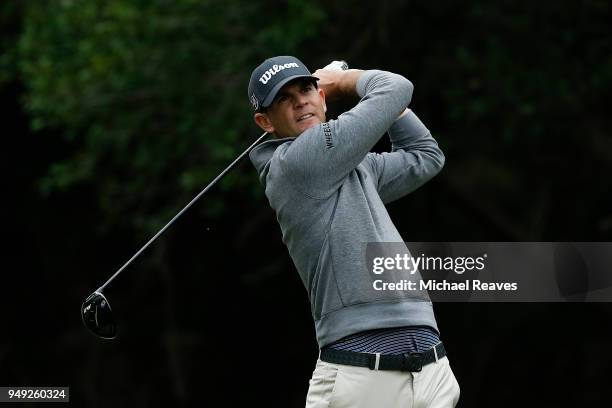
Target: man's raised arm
x=323, y=155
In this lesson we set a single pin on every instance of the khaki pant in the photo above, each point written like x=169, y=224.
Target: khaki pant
x=340, y=386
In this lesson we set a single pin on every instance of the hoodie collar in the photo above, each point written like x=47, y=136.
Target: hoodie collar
x=261, y=155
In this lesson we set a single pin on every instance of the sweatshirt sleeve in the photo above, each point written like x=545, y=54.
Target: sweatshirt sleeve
x=320, y=158
x=414, y=159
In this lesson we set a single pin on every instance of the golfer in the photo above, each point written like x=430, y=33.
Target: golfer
x=378, y=349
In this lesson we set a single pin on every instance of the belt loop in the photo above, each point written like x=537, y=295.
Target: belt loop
x=436, y=352
x=377, y=361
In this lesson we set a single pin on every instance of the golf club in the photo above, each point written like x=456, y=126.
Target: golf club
x=96, y=311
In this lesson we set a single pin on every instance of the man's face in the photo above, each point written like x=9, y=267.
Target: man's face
x=298, y=105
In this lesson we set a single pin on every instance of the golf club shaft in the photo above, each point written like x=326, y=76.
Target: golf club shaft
x=336, y=65
x=212, y=183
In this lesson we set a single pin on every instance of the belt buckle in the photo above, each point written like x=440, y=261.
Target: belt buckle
x=413, y=362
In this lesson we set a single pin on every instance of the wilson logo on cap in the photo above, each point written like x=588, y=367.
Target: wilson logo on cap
x=275, y=70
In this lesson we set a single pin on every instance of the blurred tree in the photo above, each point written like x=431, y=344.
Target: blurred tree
x=151, y=94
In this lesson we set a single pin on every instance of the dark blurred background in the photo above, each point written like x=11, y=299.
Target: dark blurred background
x=116, y=113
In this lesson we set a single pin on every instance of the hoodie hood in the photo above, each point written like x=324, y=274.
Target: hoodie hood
x=261, y=156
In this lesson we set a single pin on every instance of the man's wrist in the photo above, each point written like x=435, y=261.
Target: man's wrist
x=347, y=85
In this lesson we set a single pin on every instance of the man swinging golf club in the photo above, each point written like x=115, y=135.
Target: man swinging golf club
x=378, y=349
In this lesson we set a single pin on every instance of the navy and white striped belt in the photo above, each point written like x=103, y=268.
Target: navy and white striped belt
x=412, y=362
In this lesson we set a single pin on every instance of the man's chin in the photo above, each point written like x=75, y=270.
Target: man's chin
x=312, y=122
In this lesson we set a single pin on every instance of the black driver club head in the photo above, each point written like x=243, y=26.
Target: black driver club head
x=98, y=317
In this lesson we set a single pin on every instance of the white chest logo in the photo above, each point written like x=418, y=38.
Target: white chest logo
x=274, y=70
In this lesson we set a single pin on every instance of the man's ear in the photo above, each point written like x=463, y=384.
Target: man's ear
x=322, y=95
x=263, y=121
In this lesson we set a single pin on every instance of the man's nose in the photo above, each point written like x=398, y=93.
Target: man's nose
x=300, y=100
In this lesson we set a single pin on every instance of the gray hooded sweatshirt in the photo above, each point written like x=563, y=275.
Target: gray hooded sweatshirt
x=329, y=194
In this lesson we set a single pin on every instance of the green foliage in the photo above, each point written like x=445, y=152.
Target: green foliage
x=151, y=94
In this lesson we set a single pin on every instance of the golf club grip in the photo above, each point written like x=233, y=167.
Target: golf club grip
x=339, y=65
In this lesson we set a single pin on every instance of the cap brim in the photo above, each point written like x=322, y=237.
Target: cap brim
x=268, y=100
